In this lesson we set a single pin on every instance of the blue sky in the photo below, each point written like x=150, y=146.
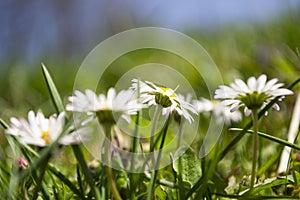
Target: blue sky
x=205, y=14
x=34, y=28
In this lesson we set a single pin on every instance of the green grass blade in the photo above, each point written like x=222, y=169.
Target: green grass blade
x=53, y=91
x=77, y=151
x=66, y=181
x=57, y=173
x=270, y=137
x=81, y=161
x=3, y=123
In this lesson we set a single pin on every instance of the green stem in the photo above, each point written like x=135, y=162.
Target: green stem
x=81, y=161
x=135, y=142
x=180, y=133
x=153, y=128
x=255, y=147
x=40, y=179
x=154, y=174
x=108, y=170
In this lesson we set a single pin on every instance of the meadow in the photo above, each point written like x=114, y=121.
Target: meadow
x=150, y=139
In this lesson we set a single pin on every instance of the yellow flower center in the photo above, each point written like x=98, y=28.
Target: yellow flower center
x=104, y=106
x=165, y=91
x=45, y=136
x=215, y=101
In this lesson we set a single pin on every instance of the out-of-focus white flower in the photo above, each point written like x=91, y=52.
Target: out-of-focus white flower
x=216, y=108
x=41, y=131
x=255, y=94
x=124, y=104
x=152, y=94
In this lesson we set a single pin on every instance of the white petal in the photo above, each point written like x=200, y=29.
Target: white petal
x=230, y=102
x=261, y=82
x=235, y=107
x=247, y=111
x=34, y=129
x=281, y=92
x=276, y=107
x=225, y=92
x=251, y=84
x=270, y=84
x=111, y=94
x=242, y=85
x=76, y=137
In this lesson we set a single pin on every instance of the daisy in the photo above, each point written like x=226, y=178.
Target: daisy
x=41, y=131
x=186, y=104
x=255, y=94
x=216, y=108
x=122, y=104
x=152, y=94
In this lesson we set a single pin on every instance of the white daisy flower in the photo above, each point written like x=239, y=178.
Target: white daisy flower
x=216, y=108
x=152, y=94
x=255, y=94
x=122, y=104
x=41, y=131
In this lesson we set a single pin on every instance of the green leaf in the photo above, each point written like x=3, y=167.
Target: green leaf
x=269, y=183
x=296, y=177
x=53, y=91
x=160, y=193
x=77, y=151
x=187, y=165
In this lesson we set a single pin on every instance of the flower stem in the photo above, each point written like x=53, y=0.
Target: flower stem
x=41, y=177
x=135, y=142
x=108, y=170
x=154, y=174
x=153, y=128
x=255, y=147
x=180, y=133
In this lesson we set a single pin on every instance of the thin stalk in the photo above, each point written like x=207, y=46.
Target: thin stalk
x=108, y=170
x=292, y=136
x=153, y=128
x=81, y=161
x=154, y=174
x=40, y=179
x=180, y=133
x=260, y=149
x=153, y=125
x=255, y=147
x=135, y=142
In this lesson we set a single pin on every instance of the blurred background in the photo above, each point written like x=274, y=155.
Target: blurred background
x=243, y=37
